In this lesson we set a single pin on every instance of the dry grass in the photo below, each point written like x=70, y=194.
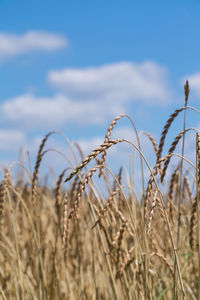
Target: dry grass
x=75, y=244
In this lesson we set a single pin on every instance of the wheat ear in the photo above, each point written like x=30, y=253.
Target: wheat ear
x=58, y=192
x=187, y=186
x=193, y=222
x=3, y=192
x=37, y=165
x=153, y=141
x=93, y=155
x=106, y=207
x=118, y=240
x=81, y=189
x=107, y=138
x=194, y=213
x=65, y=239
x=173, y=182
x=171, y=150
x=165, y=131
x=128, y=260
x=150, y=184
x=152, y=212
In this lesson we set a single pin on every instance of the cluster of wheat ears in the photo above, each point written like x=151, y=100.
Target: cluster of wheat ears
x=77, y=244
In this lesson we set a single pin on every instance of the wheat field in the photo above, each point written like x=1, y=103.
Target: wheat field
x=73, y=243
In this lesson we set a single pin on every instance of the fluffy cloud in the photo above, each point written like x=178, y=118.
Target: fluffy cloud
x=44, y=113
x=88, y=96
x=11, y=44
x=123, y=81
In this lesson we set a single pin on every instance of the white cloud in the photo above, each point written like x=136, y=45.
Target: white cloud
x=11, y=139
x=51, y=113
x=92, y=96
x=123, y=81
x=194, y=82
x=12, y=44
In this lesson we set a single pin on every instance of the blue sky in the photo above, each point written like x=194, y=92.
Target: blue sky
x=74, y=65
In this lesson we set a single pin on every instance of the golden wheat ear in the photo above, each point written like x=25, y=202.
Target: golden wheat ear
x=93, y=155
x=37, y=165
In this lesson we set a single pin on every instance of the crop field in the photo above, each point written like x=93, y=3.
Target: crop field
x=75, y=243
